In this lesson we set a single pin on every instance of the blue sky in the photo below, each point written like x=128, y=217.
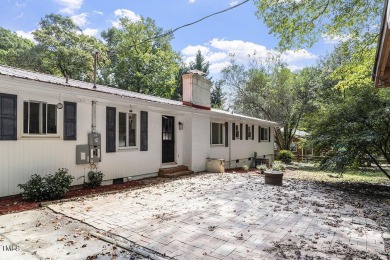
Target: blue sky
x=236, y=31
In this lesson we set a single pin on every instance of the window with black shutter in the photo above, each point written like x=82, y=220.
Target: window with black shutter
x=240, y=131
x=253, y=132
x=110, y=129
x=269, y=134
x=8, y=117
x=226, y=134
x=233, y=131
x=259, y=133
x=246, y=132
x=144, y=131
x=70, y=120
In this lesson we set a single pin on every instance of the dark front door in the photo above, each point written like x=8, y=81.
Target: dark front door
x=168, y=139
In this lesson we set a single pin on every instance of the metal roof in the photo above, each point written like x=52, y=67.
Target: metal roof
x=40, y=77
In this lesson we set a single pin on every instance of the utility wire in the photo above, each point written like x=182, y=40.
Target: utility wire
x=169, y=32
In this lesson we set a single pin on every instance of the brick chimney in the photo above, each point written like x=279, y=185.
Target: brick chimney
x=196, y=90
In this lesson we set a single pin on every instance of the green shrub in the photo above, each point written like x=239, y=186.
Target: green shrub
x=245, y=167
x=278, y=166
x=50, y=187
x=94, y=179
x=285, y=156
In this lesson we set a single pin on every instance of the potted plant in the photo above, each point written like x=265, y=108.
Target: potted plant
x=261, y=168
x=275, y=176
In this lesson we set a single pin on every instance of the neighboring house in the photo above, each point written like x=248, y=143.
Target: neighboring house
x=47, y=123
x=298, y=145
x=381, y=72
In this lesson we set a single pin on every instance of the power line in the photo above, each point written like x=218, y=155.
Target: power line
x=169, y=32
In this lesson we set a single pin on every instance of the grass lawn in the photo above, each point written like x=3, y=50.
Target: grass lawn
x=312, y=172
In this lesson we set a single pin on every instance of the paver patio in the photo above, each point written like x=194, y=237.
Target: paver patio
x=233, y=216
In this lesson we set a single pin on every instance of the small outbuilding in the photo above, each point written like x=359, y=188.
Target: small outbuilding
x=47, y=122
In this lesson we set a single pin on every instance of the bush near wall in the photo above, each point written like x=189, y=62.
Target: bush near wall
x=50, y=187
x=285, y=156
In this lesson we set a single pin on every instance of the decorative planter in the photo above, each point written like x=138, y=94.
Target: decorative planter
x=215, y=165
x=273, y=178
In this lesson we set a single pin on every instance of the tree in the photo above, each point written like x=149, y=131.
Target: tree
x=200, y=63
x=302, y=23
x=13, y=49
x=62, y=48
x=217, y=95
x=269, y=90
x=138, y=64
x=352, y=118
x=355, y=129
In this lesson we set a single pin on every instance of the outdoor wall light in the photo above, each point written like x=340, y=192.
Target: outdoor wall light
x=180, y=126
x=60, y=106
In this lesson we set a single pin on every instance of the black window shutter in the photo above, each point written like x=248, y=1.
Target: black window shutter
x=70, y=120
x=246, y=131
x=269, y=134
x=233, y=131
x=259, y=134
x=226, y=134
x=240, y=131
x=8, y=117
x=253, y=132
x=144, y=131
x=110, y=129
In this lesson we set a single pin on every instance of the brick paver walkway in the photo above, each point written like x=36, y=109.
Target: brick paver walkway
x=233, y=216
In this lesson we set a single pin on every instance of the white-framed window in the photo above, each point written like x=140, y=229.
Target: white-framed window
x=127, y=129
x=264, y=134
x=39, y=118
x=216, y=131
x=249, y=134
x=237, y=126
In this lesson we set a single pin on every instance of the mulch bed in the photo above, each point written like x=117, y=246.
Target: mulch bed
x=12, y=204
x=241, y=170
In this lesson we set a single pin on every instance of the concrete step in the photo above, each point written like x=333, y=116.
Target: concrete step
x=176, y=174
x=173, y=169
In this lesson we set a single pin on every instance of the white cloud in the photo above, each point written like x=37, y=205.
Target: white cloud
x=128, y=14
x=217, y=51
x=335, y=39
x=97, y=12
x=70, y=6
x=125, y=13
x=233, y=3
x=80, y=19
x=292, y=56
x=27, y=35
x=19, y=4
x=191, y=1
x=90, y=32
x=294, y=67
x=19, y=16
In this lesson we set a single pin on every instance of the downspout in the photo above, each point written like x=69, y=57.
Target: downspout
x=95, y=58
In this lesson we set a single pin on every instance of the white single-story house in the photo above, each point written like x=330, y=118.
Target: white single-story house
x=47, y=123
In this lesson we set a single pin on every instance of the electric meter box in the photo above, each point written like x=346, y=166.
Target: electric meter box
x=94, y=139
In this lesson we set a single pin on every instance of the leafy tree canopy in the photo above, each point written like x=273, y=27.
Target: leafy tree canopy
x=12, y=47
x=63, y=49
x=300, y=23
x=139, y=64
